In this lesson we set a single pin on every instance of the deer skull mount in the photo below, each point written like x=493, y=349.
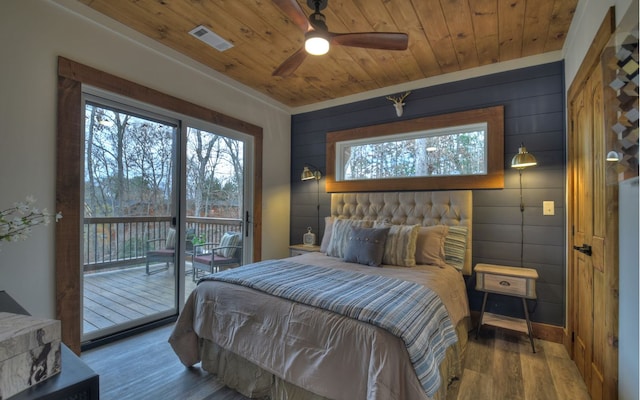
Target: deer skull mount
x=398, y=103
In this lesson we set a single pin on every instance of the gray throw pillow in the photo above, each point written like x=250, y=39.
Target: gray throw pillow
x=340, y=235
x=366, y=246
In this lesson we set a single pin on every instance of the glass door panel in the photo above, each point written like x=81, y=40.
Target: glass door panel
x=129, y=225
x=215, y=201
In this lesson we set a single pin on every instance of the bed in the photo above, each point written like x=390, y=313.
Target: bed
x=262, y=335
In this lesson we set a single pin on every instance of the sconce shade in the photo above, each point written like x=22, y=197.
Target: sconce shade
x=523, y=159
x=307, y=174
x=613, y=156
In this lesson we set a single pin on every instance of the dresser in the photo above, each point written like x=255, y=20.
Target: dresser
x=76, y=381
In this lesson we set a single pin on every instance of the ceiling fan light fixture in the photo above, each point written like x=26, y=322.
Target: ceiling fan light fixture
x=316, y=44
x=318, y=38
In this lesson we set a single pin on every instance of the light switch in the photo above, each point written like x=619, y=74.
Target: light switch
x=548, y=207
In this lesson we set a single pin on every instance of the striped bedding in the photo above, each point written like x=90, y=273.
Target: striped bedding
x=406, y=309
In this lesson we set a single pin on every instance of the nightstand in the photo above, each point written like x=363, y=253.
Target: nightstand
x=510, y=281
x=298, y=249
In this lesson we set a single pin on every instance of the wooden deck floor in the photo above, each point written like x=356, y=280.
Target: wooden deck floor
x=116, y=297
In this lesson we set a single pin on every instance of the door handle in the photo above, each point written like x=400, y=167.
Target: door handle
x=584, y=249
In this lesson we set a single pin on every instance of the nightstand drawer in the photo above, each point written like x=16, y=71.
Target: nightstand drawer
x=505, y=284
x=293, y=253
x=299, y=249
x=501, y=279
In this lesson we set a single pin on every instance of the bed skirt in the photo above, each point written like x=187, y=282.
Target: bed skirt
x=257, y=383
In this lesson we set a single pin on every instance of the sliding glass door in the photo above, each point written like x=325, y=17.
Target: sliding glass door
x=162, y=194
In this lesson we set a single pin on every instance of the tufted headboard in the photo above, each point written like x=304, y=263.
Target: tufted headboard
x=452, y=207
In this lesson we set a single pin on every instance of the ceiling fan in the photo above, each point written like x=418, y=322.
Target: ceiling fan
x=318, y=38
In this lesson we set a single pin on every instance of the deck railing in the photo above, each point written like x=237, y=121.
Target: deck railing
x=120, y=242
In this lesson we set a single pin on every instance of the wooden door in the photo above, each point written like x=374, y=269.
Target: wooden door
x=592, y=255
x=588, y=198
x=580, y=190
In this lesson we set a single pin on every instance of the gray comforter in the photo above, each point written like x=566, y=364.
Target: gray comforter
x=320, y=351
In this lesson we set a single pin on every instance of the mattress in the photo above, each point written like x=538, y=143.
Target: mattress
x=265, y=346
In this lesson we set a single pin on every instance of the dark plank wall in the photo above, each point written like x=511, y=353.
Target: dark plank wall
x=534, y=114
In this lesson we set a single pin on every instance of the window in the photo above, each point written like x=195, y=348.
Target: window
x=462, y=150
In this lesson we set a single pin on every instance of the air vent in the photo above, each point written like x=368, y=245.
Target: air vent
x=210, y=38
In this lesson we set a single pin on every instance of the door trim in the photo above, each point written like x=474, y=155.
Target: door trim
x=69, y=156
x=592, y=57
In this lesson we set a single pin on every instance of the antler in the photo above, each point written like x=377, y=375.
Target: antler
x=400, y=99
x=398, y=103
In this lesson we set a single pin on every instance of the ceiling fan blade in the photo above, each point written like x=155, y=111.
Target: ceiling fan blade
x=291, y=64
x=295, y=13
x=372, y=40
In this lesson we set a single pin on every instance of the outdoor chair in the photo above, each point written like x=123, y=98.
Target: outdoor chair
x=214, y=257
x=163, y=250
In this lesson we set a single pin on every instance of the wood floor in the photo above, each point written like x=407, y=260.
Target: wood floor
x=499, y=365
x=145, y=367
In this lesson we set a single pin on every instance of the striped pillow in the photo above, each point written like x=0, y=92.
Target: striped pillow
x=340, y=234
x=170, y=242
x=326, y=238
x=400, y=247
x=228, y=240
x=455, y=246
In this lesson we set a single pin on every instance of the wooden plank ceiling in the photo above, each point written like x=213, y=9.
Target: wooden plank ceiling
x=444, y=36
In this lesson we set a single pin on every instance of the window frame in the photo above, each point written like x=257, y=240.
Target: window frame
x=493, y=179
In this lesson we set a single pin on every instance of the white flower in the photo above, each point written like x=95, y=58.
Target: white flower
x=16, y=222
x=23, y=208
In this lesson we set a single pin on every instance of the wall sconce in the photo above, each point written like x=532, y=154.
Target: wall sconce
x=398, y=103
x=308, y=173
x=613, y=156
x=522, y=160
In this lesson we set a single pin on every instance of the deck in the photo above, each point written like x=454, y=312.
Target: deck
x=116, y=288
x=118, y=296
